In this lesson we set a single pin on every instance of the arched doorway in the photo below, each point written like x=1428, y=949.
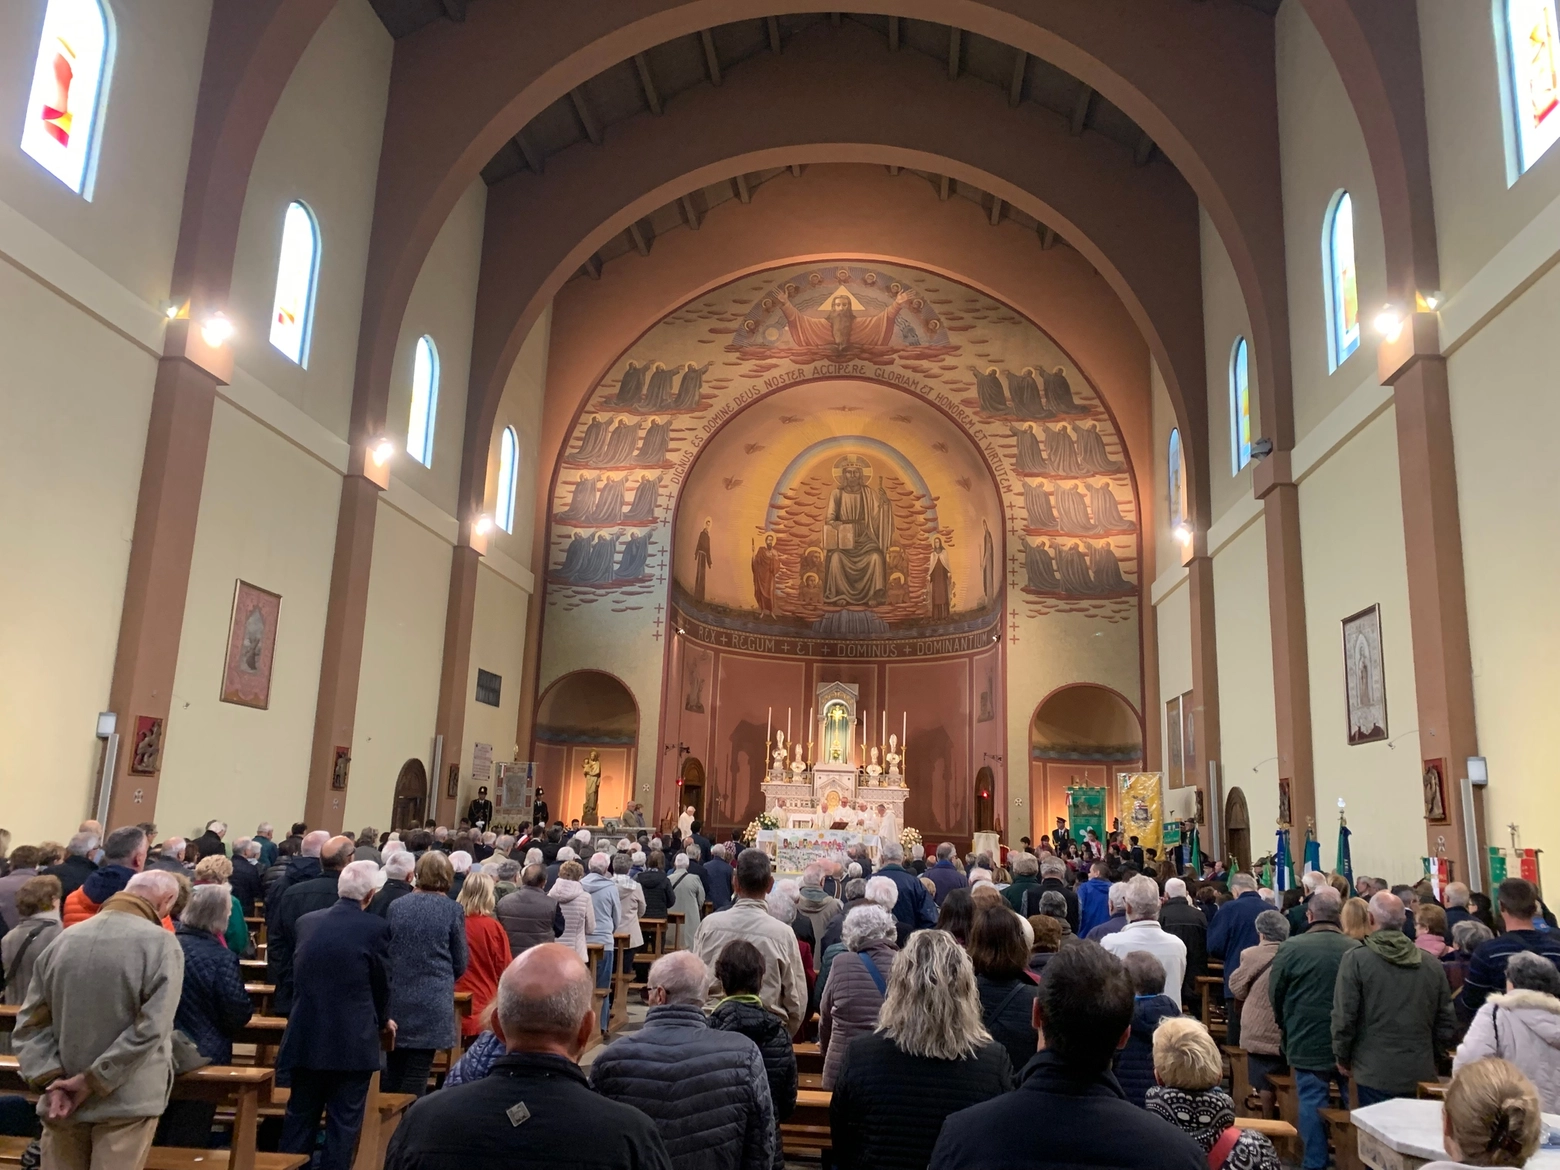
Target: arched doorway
x=691, y=784
x=411, y=796
x=1237, y=830
x=985, y=783
x=586, y=712
x=1080, y=737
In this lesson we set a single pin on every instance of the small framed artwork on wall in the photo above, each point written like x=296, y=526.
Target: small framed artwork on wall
x=1365, y=677
x=251, y=648
x=1175, y=763
x=146, y=751
x=1435, y=792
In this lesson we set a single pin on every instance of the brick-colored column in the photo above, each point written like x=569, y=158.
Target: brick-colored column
x=1437, y=597
x=1280, y=496
x=1205, y=670
x=341, y=660
x=455, y=678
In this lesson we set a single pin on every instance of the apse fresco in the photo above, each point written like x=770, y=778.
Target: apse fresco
x=844, y=460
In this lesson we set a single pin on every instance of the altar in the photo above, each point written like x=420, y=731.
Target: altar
x=840, y=783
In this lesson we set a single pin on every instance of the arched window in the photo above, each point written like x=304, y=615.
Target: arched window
x=1240, y=404
x=1343, y=296
x=296, y=270
x=69, y=82
x=1175, y=477
x=508, y=465
x=425, y=402
x=1533, y=78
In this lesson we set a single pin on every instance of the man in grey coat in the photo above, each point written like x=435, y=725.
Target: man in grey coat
x=94, y=1034
x=706, y=1090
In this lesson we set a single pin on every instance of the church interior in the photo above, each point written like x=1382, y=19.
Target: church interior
x=439, y=386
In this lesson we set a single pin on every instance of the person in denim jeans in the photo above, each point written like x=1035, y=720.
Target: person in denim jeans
x=1300, y=987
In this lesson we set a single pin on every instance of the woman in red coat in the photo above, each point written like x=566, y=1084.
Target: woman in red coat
x=487, y=944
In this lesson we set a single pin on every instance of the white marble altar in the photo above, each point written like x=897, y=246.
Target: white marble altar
x=1405, y=1134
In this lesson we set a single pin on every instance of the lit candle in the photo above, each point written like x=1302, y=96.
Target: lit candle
x=769, y=729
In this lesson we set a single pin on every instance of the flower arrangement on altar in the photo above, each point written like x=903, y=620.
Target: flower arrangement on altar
x=909, y=836
x=764, y=820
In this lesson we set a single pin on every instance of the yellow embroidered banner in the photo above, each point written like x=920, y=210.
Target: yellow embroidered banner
x=1141, y=812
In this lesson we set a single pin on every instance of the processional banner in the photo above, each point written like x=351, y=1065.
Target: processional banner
x=1141, y=806
x=1085, y=811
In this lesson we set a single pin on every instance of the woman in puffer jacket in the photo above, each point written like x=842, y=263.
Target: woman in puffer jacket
x=1522, y=1026
x=858, y=980
x=740, y=970
x=579, y=917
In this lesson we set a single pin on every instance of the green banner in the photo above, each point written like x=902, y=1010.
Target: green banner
x=1086, y=810
x=1171, y=835
x=1497, y=865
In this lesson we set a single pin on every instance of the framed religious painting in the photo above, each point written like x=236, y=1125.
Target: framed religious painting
x=1175, y=763
x=251, y=646
x=1364, y=677
x=1435, y=792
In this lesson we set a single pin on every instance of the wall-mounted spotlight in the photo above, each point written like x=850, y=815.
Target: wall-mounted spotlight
x=216, y=330
x=383, y=451
x=1389, y=322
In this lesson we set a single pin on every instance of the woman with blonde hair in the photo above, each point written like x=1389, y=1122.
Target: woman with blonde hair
x=427, y=955
x=1189, y=1096
x=929, y=1056
x=217, y=870
x=1355, y=918
x=1491, y=1117
x=487, y=948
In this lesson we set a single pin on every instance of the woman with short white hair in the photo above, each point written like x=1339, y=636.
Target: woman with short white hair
x=687, y=894
x=858, y=982
x=929, y=1056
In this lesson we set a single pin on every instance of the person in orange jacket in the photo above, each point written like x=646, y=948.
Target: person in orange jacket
x=124, y=854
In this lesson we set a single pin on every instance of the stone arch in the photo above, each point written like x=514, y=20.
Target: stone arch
x=411, y=796
x=582, y=711
x=1080, y=734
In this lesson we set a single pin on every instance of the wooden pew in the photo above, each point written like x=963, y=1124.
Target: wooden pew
x=1288, y=1100
x=674, y=924
x=1211, y=988
x=654, y=930
x=1346, y=1155
x=1277, y=1131
x=809, y=1057
x=807, y=1132
x=1240, y=1081
x=243, y=1090
x=622, y=979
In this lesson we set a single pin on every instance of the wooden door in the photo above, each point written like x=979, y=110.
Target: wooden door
x=692, y=791
x=411, y=796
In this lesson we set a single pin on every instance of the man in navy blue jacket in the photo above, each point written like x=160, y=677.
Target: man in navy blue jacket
x=341, y=1009
x=717, y=878
x=1518, y=905
x=915, y=909
x=1066, y=1092
x=1234, y=928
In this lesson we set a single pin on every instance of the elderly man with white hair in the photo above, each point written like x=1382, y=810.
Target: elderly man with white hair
x=340, y=1014
x=915, y=909
x=398, y=881
x=1179, y=917
x=608, y=906
x=1392, y=1009
x=94, y=1035
x=706, y=1090
x=1142, y=932
x=1116, y=901
x=1232, y=931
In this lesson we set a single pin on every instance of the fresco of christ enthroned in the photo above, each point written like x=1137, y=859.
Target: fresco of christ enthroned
x=857, y=532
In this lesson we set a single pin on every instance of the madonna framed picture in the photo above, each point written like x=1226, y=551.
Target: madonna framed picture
x=251, y=647
x=1365, y=677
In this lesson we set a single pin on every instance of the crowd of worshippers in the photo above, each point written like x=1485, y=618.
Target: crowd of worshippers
x=1031, y=1009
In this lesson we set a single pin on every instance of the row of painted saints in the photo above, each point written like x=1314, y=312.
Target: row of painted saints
x=1073, y=568
x=1033, y=394
x=1061, y=452
x=599, y=499
x=598, y=561
x=648, y=387
x=1089, y=510
x=616, y=442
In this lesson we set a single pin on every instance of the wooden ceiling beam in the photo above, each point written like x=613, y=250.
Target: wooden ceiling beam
x=1047, y=237
x=1143, y=151
x=893, y=34
x=640, y=239
x=592, y=266
x=955, y=43
x=773, y=24
x=893, y=170
x=711, y=58
x=1016, y=83
x=534, y=158
x=690, y=212
x=647, y=83
x=996, y=210
x=944, y=187
x=1080, y=111
x=796, y=170
x=587, y=119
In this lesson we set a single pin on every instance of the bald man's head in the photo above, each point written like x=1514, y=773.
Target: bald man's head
x=157, y=886
x=313, y=842
x=337, y=853
x=546, y=1002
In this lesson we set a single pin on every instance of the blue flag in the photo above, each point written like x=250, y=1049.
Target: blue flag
x=1313, y=853
x=1345, y=864
x=1282, y=877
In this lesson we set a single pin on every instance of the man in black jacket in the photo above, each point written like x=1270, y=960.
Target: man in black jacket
x=333, y=1039
x=301, y=898
x=706, y=1090
x=398, y=882
x=1179, y=917
x=209, y=843
x=1053, y=876
x=246, y=883
x=1084, y=1013
x=300, y=868
x=532, y=1110
x=78, y=864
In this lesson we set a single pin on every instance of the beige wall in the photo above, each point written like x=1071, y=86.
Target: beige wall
x=1351, y=534
x=497, y=645
x=403, y=652
x=75, y=429
x=442, y=306
x=1174, y=616
x=322, y=146
x=521, y=408
x=1321, y=150
x=131, y=226
x=268, y=516
x=1505, y=416
x=1247, y=735
x=1224, y=320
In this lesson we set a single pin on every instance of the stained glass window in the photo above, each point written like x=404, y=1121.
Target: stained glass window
x=66, y=100
x=1240, y=404
x=508, y=465
x=296, y=269
x=1343, y=297
x=425, y=402
x=1176, y=481
x=1535, y=77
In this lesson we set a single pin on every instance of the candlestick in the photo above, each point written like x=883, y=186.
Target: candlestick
x=788, y=723
x=769, y=730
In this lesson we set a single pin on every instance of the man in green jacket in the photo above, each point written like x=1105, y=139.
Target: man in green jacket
x=1300, y=986
x=1392, y=1009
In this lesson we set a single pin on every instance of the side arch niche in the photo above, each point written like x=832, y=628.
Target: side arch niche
x=586, y=715
x=1237, y=829
x=1080, y=736
x=411, y=796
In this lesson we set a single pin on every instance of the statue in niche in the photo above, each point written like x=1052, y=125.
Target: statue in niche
x=857, y=533
x=592, y=770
